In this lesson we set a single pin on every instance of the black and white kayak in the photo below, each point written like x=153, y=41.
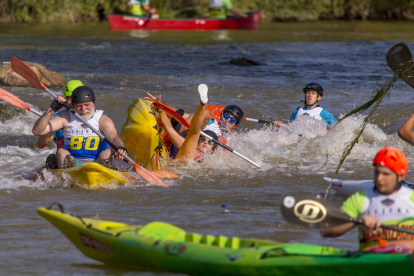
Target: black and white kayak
x=349, y=187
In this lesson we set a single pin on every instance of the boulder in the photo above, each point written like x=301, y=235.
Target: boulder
x=245, y=62
x=10, y=78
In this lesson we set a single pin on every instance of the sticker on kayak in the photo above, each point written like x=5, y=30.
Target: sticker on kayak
x=91, y=242
x=174, y=249
x=337, y=184
x=310, y=211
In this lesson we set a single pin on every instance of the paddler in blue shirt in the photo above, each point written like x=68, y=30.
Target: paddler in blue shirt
x=387, y=203
x=313, y=94
x=80, y=142
x=142, y=8
x=219, y=9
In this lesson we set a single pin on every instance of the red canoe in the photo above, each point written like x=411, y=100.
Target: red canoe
x=129, y=22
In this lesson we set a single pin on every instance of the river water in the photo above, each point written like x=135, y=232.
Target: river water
x=346, y=58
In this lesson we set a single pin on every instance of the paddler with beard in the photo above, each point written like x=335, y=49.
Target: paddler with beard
x=313, y=94
x=80, y=141
x=388, y=203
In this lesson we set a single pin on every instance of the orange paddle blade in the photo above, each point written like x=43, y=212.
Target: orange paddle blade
x=165, y=174
x=173, y=114
x=12, y=99
x=148, y=175
x=215, y=111
x=26, y=72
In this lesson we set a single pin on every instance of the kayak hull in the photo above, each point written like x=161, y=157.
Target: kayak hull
x=163, y=247
x=93, y=174
x=350, y=187
x=130, y=22
x=141, y=136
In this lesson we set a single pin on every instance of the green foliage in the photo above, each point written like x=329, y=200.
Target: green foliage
x=293, y=10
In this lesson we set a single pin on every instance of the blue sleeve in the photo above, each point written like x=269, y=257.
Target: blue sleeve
x=293, y=116
x=57, y=134
x=328, y=118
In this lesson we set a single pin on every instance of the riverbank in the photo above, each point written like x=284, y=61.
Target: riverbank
x=43, y=11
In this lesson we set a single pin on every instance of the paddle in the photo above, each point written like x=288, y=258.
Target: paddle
x=258, y=121
x=317, y=212
x=13, y=100
x=23, y=70
x=179, y=118
x=400, y=60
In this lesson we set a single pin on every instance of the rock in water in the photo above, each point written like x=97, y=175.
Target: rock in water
x=245, y=62
x=10, y=78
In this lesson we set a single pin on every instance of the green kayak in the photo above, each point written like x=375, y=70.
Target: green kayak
x=159, y=246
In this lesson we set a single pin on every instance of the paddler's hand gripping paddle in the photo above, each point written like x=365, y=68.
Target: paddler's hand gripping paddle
x=24, y=70
x=179, y=118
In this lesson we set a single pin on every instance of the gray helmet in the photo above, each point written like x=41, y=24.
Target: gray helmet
x=83, y=94
x=313, y=86
x=235, y=110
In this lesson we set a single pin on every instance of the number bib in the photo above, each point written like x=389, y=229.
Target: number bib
x=81, y=141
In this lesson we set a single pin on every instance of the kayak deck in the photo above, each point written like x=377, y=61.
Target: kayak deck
x=93, y=174
x=161, y=246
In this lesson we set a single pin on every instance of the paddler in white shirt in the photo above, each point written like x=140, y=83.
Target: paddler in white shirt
x=142, y=8
x=388, y=203
x=219, y=9
x=313, y=94
x=80, y=142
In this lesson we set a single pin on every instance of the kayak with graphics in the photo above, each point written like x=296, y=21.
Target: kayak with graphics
x=160, y=246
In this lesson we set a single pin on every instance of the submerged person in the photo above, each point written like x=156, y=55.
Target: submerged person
x=313, y=94
x=80, y=142
x=142, y=8
x=192, y=146
x=388, y=203
x=219, y=9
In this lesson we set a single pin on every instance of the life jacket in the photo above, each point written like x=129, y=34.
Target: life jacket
x=134, y=8
x=217, y=9
x=397, y=210
x=81, y=141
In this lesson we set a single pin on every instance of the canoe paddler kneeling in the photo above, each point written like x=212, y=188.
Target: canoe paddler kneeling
x=190, y=145
x=388, y=202
x=142, y=8
x=80, y=142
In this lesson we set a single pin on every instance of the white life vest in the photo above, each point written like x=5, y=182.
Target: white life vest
x=80, y=140
x=214, y=126
x=388, y=207
x=314, y=112
x=215, y=3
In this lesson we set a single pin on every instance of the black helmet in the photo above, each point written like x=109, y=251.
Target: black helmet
x=235, y=110
x=211, y=133
x=315, y=87
x=82, y=94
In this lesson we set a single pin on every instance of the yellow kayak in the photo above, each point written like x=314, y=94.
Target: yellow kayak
x=93, y=174
x=141, y=135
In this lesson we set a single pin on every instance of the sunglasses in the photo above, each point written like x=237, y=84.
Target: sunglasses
x=203, y=139
x=227, y=116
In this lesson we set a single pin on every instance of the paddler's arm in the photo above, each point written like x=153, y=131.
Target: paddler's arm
x=45, y=124
x=406, y=131
x=153, y=99
x=148, y=9
x=175, y=138
x=237, y=13
x=44, y=140
x=107, y=127
x=337, y=230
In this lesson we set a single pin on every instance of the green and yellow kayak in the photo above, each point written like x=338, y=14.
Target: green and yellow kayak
x=160, y=246
x=141, y=135
x=93, y=174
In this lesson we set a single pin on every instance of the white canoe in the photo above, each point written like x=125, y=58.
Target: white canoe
x=349, y=187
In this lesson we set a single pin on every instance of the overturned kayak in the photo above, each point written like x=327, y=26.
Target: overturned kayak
x=350, y=187
x=131, y=22
x=141, y=135
x=159, y=246
x=93, y=174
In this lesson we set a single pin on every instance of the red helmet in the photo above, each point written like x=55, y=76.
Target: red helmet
x=393, y=159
